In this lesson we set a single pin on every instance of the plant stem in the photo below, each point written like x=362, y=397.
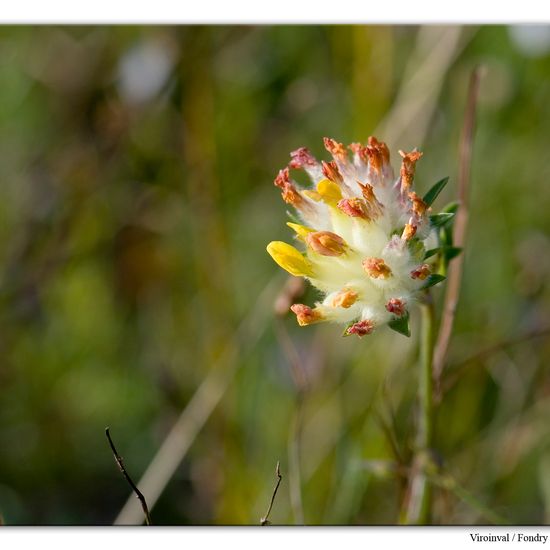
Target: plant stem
x=418, y=506
x=425, y=427
x=294, y=459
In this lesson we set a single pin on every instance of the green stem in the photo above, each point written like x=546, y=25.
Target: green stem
x=418, y=509
x=425, y=394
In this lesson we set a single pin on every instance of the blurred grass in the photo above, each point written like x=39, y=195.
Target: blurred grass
x=136, y=203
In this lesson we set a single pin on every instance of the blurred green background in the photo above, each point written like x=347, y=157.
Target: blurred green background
x=136, y=200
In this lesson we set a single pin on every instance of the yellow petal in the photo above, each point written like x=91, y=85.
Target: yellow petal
x=313, y=195
x=301, y=230
x=290, y=259
x=329, y=191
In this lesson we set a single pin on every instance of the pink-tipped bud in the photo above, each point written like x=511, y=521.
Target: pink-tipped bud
x=331, y=172
x=326, y=243
x=288, y=191
x=302, y=157
x=407, y=169
x=355, y=148
x=421, y=272
x=374, y=206
x=362, y=152
x=419, y=207
x=408, y=232
x=337, y=150
x=396, y=306
x=362, y=328
x=306, y=315
x=377, y=153
x=355, y=208
x=376, y=268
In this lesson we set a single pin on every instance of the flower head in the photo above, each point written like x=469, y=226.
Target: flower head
x=363, y=231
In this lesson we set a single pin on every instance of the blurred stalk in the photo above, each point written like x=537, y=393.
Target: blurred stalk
x=299, y=377
x=450, y=484
x=418, y=505
x=294, y=457
x=435, y=50
x=372, y=51
x=454, y=277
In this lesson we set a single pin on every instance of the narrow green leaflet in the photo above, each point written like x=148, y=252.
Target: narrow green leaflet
x=449, y=252
x=439, y=220
x=452, y=207
x=432, y=252
x=345, y=333
x=431, y=195
x=401, y=325
x=433, y=279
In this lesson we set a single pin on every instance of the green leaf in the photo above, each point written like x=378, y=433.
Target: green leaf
x=449, y=252
x=452, y=252
x=441, y=219
x=433, y=279
x=431, y=195
x=452, y=207
x=345, y=333
x=401, y=325
x=432, y=252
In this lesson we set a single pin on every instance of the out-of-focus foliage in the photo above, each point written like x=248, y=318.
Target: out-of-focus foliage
x=136, y=201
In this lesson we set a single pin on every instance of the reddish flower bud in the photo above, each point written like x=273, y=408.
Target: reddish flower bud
x=407, y=169
x=421, y=272
x=331, y=172
x=374, y=206
x=326, y=243
x=408, y=232
x=377, y=153
x=355, y=208
x=419, y=207
x=288, y=191
x=355, y=148
x=376, y=268
x=362, y=328
x=337, y=150
x=306, y=315
x=302, y=157
x=396, y=306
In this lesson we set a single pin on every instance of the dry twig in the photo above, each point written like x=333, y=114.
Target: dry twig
x=265, y=519
x=127, y=477
x=455, y=269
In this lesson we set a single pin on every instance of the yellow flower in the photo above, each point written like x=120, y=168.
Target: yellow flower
x=364, y=233
x=289, y=259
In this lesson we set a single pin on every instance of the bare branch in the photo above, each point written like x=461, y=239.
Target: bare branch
x=122, y=469
x=265, y=519
x=455, y=269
